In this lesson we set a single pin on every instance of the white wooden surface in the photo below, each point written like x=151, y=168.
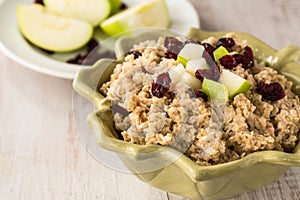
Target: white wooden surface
x=41, y=156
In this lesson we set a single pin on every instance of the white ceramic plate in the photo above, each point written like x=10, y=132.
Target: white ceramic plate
x=183, y=16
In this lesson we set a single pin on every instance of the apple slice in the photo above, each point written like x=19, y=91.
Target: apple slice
x=214, y=90
x=179, y=74
x=150, y=14
x=176, y=73
x=191, y=80
x=193, y=65
x=93, y=11
x=219, y=53
x=189, y=52
x=234, y=83
x=52, y=32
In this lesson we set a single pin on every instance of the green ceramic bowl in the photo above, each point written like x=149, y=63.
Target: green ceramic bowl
x=182, y=176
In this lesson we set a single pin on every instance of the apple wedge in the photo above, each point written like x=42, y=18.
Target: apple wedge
x=193, y=65
x=52, y=32
x=189, y=52
x=219, y=53
x=234, y=83
x=179, y=74
x=93, y=11
x=214, y=90
x=150, y=14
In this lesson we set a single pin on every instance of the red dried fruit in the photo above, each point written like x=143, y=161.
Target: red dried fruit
x=228, y=62
x=162, y=85
x=115, y=108
x=212, y=73
x=209, y=49
x=92, y=44
x=173, y=47
x=201, y=94
x=91, y=58
x=248, y=58
x=270, y=92
x=225, y=42
x=238, y=58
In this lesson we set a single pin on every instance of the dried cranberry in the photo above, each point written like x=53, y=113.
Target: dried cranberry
x=136, y=54
x=39, y=2
x=162, y=85
x=211, y=73
x=248, y=58
x=238, y=58
x=92, y=44
x=115, y=108
x=173, y=47
x=77, y=60
x=228, y=62
x=209, y=49
x=225, y=42
x=270, y=92
x=201, y=94
x=91, y=58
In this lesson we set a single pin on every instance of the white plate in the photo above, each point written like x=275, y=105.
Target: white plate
x=183, y=16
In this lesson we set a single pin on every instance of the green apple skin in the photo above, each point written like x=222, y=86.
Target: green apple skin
x=219, y=53
x=189, y=52
x=151, y=14
x=214, y=90
x=93, y=11
x=234, y=83
x=50, y=31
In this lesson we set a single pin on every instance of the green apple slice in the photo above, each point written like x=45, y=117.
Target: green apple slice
x=175, y=73
x=179, y=74
x=219, y=53
x=191, y=80
x=214, y=90
x=234, y=83
x=52, y=32
x=93, y=11
x=193, y=65
x=151, y=14
x=189, y=52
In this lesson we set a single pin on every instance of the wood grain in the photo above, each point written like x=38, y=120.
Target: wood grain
x=41, y=156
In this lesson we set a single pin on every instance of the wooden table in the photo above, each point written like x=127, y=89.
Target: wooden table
x=41, y=156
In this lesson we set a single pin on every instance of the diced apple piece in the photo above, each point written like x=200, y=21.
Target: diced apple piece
x=52, y=32
x=179, y=74
x=234, y=83
x=176, y=73
x=150, y=14
x=191, y=80
x=214, y=90
x=193, y=65
x=219, y=53
x=93, y=11
x=189, y=52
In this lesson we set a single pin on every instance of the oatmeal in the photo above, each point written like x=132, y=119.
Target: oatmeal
x=153, y=105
